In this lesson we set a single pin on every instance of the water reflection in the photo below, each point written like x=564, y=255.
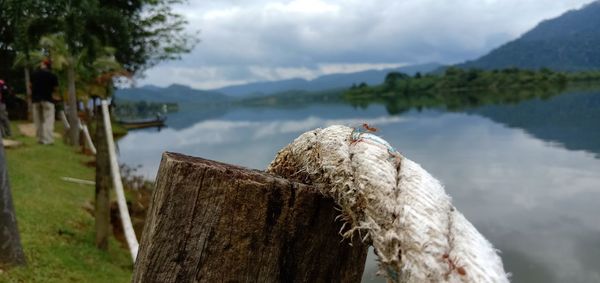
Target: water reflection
x=570, y=120
x=534, y=199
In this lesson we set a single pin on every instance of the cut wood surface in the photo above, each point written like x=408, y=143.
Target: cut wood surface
x=214, y=222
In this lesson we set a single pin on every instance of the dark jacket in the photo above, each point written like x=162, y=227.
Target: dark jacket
x=4, y=92
x=43, y=83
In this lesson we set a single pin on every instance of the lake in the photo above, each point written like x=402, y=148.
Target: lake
x=527, y=175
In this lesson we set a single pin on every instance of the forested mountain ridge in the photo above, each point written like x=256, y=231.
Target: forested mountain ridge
x=567, y=43
x=323, y=83
x=326, y=83
x=173, y=93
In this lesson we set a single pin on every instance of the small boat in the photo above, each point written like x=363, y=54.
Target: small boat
x=159, y=122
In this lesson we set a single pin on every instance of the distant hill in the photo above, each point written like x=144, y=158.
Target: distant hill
x=326, y=82
x=182, y=93
x=570, y=42
x=172, y=93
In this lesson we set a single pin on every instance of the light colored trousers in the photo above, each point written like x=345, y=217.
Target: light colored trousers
x=43, y=118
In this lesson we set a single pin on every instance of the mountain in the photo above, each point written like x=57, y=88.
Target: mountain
x=326, y=82
x=567, y=43
x=151, y=87
x=172, y=93
x=570, y=119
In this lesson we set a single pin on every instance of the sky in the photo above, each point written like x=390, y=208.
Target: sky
x=244, y=41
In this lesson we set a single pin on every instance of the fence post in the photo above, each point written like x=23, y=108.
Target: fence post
x=213, y=222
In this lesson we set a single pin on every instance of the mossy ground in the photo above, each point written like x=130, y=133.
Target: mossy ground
x=56, y=231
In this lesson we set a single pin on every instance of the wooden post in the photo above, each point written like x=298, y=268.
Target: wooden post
x=72, y=115
x=213, y=222
x=28, y=93
x=103, y=185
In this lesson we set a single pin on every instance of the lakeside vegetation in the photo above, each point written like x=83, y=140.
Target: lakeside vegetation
x=91, y=46
x=458, y=89
x=55, y=218
x=292, y=98
x=143, y=109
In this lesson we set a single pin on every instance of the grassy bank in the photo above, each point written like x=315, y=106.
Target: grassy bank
x=57, y=232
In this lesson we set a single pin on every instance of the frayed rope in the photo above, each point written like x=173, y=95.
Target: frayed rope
x=394, y=204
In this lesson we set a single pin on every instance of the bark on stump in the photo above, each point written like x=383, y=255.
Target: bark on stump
x=214, y=222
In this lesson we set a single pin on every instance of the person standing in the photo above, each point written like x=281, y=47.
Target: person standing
x=4, y=122
x=43, y=85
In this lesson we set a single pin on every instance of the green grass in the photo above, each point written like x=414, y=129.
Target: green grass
x=57, y=233
x=118, y=130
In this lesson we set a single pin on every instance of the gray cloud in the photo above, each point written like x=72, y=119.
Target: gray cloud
x=250, y=40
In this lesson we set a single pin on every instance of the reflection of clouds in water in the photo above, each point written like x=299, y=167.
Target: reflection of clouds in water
x=313, y=122
x=487, y=158
x=587, y=249
x=247, y=143
x=524, y=194
x=220, y=131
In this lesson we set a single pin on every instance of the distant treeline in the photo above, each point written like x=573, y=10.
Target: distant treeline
x=140, y=109
x=292, y=98
x=458, y=89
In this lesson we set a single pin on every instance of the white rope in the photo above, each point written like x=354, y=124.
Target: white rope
x=64, y=119
x=88, y=138
x=78, y=181
x=394, y=204
x=116, y=176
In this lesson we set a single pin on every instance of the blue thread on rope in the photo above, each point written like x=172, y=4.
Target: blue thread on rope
x=392, y=274
x=358, y=135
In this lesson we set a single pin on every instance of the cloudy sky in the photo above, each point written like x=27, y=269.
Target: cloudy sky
x=257, y=40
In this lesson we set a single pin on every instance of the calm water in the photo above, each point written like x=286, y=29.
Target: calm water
x=526, y=175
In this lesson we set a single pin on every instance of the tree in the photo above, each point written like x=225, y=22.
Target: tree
x=83, y=78
x=11, y=251
x=392, y=78
x=66, y=59
x=23, y=23
x=143, y=32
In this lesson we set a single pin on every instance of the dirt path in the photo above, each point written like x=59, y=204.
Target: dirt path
x=28, y=130
x=11, y=143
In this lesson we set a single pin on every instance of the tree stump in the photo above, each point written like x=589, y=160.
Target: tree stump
x=214, y=222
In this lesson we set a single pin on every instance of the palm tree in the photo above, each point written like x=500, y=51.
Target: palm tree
x=86, y=73
x=64, y=60
x=27, y=61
